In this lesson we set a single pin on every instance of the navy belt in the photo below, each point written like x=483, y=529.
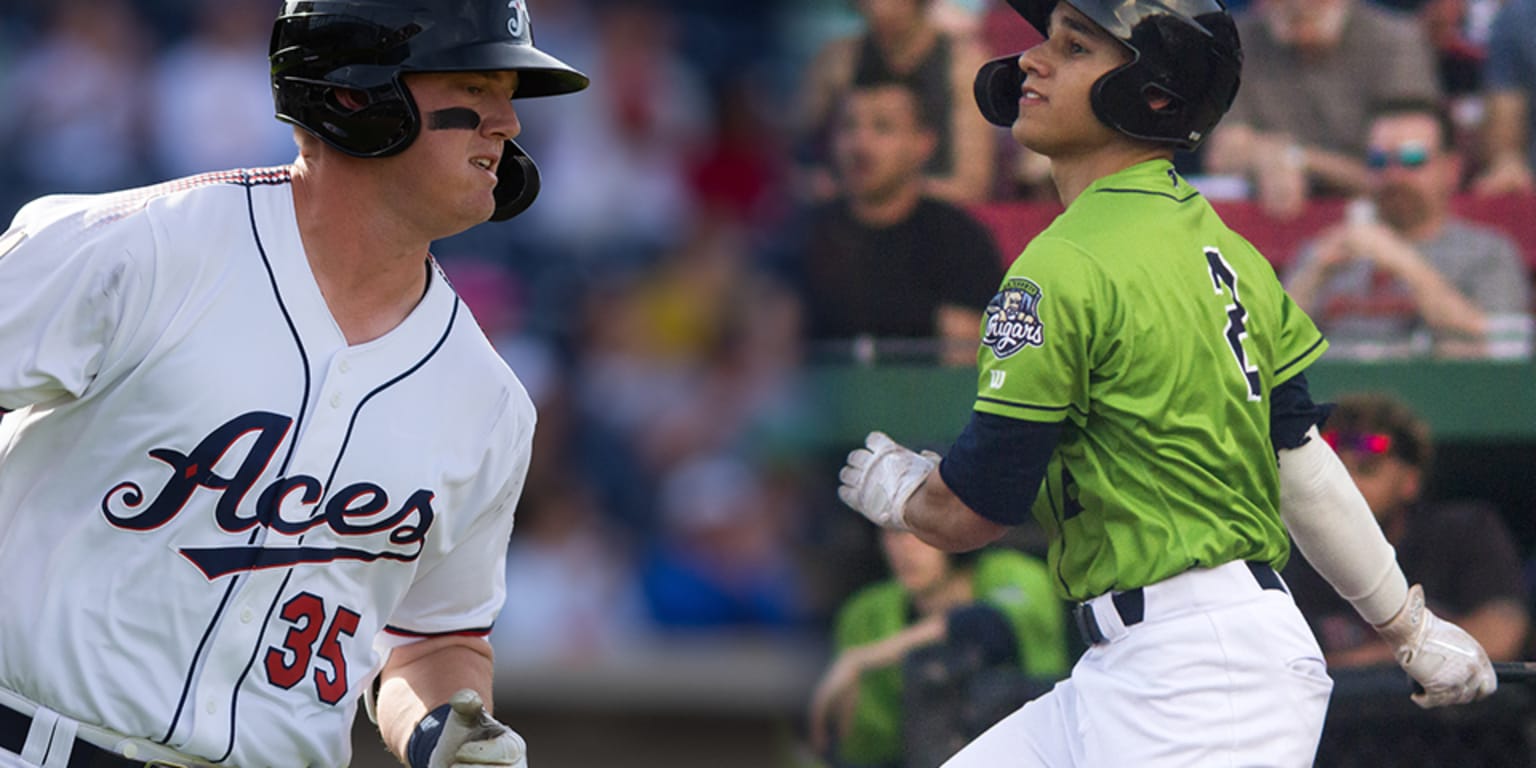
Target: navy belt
x=1132, y=604
x=14, y=727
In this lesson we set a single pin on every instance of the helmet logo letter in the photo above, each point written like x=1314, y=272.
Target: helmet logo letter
x=518, y=23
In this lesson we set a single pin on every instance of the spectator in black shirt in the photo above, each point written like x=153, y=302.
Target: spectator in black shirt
x=883, y=261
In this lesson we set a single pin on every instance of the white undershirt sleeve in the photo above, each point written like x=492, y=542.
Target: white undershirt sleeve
x=1335, y=530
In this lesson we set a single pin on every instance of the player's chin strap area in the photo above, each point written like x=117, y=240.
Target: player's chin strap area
x=998, y=88
x=43, y=737
x=517, y=182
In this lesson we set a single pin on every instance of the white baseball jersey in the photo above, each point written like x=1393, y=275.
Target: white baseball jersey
x=216, y=517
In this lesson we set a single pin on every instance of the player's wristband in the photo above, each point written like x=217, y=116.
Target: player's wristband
x=418, y=751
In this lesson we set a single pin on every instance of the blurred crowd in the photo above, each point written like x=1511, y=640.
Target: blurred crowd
x=1364, y=149
x=750, y=186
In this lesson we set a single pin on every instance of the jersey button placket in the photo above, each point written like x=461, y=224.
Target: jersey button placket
x=343, y=367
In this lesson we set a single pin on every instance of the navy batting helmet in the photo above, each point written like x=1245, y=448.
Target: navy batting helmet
x=366, y=46
x=1184, y=52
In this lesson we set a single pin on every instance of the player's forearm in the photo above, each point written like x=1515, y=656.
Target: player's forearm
x=1334, y=528
x=426, y=674
x=941, y=519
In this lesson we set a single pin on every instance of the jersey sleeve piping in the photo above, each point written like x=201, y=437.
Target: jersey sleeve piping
x=1051, y=408
x=1025, y=411
x=470, y=632
x=1302, y=360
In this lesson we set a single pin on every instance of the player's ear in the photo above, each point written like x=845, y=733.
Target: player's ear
x=1159, y=98
x=350, y=98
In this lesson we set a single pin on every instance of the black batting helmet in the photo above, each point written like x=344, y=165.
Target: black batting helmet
x=322, y=46
x=1186, y=51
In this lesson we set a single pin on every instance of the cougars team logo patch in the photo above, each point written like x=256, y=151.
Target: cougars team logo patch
x=1013, y=318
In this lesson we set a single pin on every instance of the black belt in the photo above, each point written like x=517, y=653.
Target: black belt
x=1132, y=604
x=14, y=727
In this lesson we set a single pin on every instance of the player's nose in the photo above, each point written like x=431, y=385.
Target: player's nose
x=1034, y=60
x=501, y=122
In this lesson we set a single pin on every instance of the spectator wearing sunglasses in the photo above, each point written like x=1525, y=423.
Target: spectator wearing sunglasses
x=1461, y=551
x=1401, y=275
x=1311, y=71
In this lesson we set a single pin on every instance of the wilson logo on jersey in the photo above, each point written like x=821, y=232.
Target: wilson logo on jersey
x=1013, y=318
x=357, y=510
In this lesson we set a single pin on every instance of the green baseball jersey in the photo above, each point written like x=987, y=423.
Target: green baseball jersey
x=1017, y=585
x=1154, y=334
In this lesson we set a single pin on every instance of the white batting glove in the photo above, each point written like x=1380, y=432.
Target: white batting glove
x=880, y=477
x=472, y=737
x=1447, y=662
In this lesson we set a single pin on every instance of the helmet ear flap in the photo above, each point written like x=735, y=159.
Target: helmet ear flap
x=517, y=182
x=383, y=125
x=997, y=90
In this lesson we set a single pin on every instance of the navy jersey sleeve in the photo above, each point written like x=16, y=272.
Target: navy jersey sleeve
x=997, y=463
x=1292, y=413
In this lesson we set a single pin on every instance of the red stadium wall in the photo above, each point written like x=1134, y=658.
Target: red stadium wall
x=1014, y=223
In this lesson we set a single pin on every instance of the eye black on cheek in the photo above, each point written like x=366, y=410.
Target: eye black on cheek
x=453, y=119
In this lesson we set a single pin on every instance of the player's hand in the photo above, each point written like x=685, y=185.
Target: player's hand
x=1445, y=661
x=472, y=737
x=880, y=477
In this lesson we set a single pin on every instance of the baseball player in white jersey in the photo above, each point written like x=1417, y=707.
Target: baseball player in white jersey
x=259, y=459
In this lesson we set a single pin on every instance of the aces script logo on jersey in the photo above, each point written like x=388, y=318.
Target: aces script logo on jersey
x=360, y=512
x=1013, y=318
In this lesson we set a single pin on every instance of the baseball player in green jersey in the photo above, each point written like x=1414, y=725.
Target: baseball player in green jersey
x=1141, y=389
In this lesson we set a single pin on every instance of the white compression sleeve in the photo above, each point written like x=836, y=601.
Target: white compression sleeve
x=1335, y=530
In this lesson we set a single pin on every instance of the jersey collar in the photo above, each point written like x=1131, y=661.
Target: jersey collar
x=1152, y=176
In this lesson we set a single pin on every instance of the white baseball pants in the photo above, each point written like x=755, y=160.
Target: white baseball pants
x=1219, y=673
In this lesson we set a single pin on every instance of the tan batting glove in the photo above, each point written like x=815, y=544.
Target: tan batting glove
x=1447, y=662
x=880, y=477
x=472, y=737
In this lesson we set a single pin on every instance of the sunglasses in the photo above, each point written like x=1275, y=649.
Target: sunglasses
x=1369, y=443
x=1407, y=156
